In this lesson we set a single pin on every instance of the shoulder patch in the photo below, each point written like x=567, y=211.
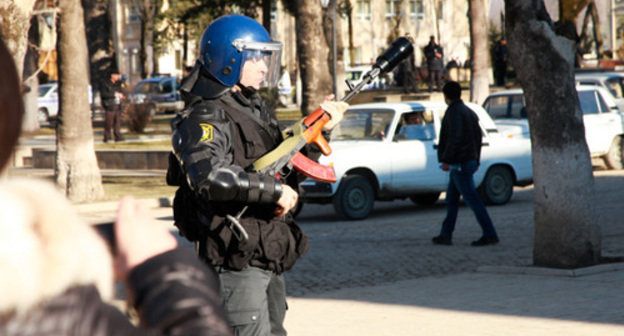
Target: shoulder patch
x=207, y=132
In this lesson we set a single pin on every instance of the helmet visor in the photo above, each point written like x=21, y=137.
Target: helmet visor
x=266, y=56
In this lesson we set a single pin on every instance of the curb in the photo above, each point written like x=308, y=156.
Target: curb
x=161, y=202
x=543, y=271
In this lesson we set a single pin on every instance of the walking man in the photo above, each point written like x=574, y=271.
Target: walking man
x=111, y=94
x=459, y=152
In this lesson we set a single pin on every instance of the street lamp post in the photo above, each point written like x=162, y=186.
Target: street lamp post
x=324, y=4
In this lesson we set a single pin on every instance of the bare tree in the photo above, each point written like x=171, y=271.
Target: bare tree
x=312, y=51
x=14, y=25
x=147, y=12
x=99, y=40
x=15, y=18
x=479, y=79
x=77, y=170
x=566, y=235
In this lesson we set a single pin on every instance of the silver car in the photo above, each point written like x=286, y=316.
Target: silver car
x=604, y=122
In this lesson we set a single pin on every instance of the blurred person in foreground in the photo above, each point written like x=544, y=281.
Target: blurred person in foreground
x=56, y=272
x=225, y=127
x=459, y=152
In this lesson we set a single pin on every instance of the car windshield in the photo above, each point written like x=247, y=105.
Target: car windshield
x=369, y=124
x=43, y=89
x=616, y=87
x=147, y=87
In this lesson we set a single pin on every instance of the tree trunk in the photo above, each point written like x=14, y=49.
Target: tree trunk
x=146, y=54
x=312, y=51
x=30, y=122
x=480, y=76
x=350, y=22
x=266, y=15
x=566, y=235
x=99, y=40
x=77, y=170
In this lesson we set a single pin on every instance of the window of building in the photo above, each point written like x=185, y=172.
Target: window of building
x=393, y=8
x=363, y=10
x=416, y=10
x=133, y=14
x=273, y=10
x=440, y=10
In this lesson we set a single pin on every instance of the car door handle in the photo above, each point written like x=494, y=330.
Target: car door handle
x=485, y=144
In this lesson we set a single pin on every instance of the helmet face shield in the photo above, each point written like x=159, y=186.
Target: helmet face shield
x=266, y=57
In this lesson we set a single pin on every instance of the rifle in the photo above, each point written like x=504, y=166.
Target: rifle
x=309, y=130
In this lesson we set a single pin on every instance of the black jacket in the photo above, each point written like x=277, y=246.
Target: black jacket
x=433, y=62
x=107, y=93
x=460, y=135
x=173, y=294
x=228, y=134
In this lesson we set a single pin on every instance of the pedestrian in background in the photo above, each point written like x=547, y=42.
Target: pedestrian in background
x=224, y=129
x=435, y=66
x=500, y=62
x=459, y=152
x=111, y=94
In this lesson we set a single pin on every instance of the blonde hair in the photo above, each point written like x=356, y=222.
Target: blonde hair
x=45, y=247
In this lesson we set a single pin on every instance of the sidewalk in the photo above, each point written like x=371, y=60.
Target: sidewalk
x=495, y=300
x=503, y=301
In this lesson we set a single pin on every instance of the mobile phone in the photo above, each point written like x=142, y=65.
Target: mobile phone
x=107, y=232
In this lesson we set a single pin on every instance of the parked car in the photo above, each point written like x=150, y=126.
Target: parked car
x=612, y=81
x=604, y=122
x=377, y=157
x=158, y=94
x=47, y=101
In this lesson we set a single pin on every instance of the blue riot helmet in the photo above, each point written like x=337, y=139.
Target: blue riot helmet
x=230, y=41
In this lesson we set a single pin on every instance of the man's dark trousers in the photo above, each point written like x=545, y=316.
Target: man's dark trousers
x=461, y=183
x=112, y=120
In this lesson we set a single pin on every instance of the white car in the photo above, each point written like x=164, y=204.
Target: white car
x=47, y=101
x=604, y=122
x=376, y=156
x=612, y=81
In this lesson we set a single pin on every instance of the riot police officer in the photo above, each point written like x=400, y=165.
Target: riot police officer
x=224, y=128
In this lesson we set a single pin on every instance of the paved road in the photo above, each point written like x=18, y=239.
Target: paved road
x=395, y=242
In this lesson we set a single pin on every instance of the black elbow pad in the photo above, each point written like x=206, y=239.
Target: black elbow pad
x=223, y=185
x=226, y=184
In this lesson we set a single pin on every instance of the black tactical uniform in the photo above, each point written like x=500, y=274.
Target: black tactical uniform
x=215, y=142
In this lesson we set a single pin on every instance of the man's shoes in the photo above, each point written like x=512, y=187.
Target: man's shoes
x=440, y=240
x=483, y=241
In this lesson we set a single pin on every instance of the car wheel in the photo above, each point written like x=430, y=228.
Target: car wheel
x=425, y=199
x=497, y=187
x=42, y=115
x=614, y=156
x=355, y=197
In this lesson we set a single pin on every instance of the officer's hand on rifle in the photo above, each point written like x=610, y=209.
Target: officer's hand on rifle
x=335, y=109
x=287, y=201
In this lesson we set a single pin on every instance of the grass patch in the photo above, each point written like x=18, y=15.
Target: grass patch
x=116, y=187
x=164, y=144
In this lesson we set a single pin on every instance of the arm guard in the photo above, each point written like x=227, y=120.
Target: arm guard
x=208, y=163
